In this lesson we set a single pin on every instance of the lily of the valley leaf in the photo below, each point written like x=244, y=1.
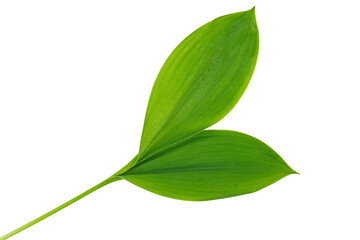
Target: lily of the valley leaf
x=200, y=82
x=210, y=165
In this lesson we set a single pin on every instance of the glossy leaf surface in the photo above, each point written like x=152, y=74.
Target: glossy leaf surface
x=201, y=81
x=210, y=165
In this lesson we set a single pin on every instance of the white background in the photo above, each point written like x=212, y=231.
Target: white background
x=75, y=77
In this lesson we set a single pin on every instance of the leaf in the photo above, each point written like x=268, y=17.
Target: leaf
x=210, y=165
x=201, y=81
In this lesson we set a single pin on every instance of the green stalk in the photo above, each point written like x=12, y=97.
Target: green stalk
x=55, y=210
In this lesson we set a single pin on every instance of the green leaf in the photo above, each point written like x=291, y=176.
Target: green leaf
x=201, y=81
x=210, y=165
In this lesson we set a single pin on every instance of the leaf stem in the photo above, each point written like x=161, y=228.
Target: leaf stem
x=55, y=210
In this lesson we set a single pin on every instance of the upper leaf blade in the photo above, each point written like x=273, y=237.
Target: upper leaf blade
x=210, y=165
x=201, y=81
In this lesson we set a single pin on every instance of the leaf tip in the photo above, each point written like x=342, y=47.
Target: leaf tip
x=289, y=170
x=251, y=14
x=251, y=11
x=292, y=171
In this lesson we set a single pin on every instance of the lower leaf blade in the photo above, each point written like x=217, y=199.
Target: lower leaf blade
x=211, y=165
